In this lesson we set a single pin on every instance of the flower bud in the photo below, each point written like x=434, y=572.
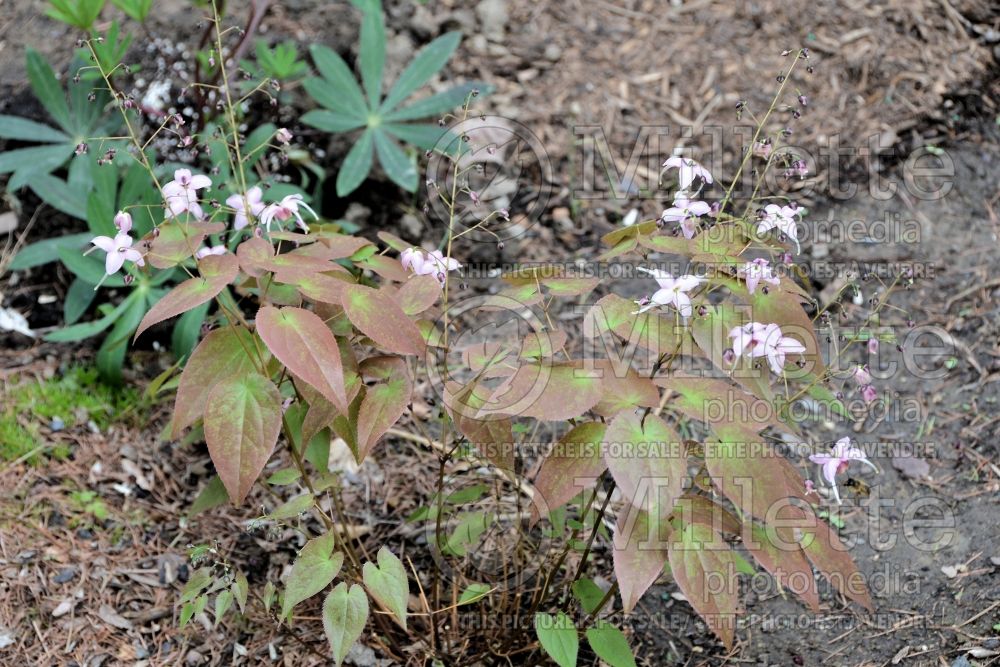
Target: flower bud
x=868, y=393
x=862, y=376
x=873, y=345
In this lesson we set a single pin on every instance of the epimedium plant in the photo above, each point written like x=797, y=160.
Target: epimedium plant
x=313, y=334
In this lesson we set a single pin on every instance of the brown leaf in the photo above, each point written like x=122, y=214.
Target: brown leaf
x=217, y=271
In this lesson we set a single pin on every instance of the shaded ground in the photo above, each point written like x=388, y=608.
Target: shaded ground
x=618, y=66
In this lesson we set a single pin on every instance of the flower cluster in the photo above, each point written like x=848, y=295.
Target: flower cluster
x=428, y=264
x=765, y=340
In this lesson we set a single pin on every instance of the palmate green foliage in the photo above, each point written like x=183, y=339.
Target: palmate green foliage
x=137, y=10
x=76, y=118
x=280, y=62
x=77, y=13
x=384, y=119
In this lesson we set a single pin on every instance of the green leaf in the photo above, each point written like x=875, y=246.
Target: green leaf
x=213, y=495
x=588, y=593
x=577, y=456
x=558, y=638
x=302, y=342
x=223, y=353
x=111, y=355
x=655, y=454
x=355, y=167
x=314, y=568
x=331, y=121
x=43, y=252
x=217, y=271
x=610, y=644
x=438, y=104
x=474, y=593
x=241, y=587
x=199, y=581
x=79, y=296
x=60, y=195
x=341, y=92
x=400, y=169
x=47, y=89
x=292, y=508
x=471, y=526
x=284, y=476
x=83, y=330
x=387, y=583
x=187, y=331
x=372, y=56
x=423, y=136
x=88, y=268
x=33, y=160
x=23, y=129
x=426, y=64
x=345, y=612
x=242, y=422
x=223, y=601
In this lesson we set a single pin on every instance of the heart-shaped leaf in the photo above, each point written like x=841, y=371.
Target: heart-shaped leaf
x=242, y=421
x=387, y=583
x=345, y=612
x=222, y=354
x=384, y=403
x=315, y=567
x=558, y=638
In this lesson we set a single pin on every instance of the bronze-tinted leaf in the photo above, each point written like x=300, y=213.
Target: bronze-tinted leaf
x=242, y=422
x=830, y=556
x=176, y=241
x=490, y=434
x=300, y=340
x=639, y=553
x=380, y=317
x=699, y=560
x=647, y=460
x=222, y=353
x=576, y=457
x=777, y=551
x=217, y=271
x=225, y=352
x=552, y=392
x=384, y=402
x=418, y=294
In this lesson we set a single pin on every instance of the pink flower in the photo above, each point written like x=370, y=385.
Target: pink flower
x=672, y=292
x=286, y=209
x=868, y=393
x=430, y=264
x=181, y=194
x=688, y=170
x=685, y=211
x=762, y=149
x=283, y=135
x=246, y=205
x=837, y=461
x=809, y=487
x=119, y=250
x=756, y=271
x=782, y=218
x=765, y=340
x=123, y=221
x=873, y=345
x=862, y=376
x=214, y=250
